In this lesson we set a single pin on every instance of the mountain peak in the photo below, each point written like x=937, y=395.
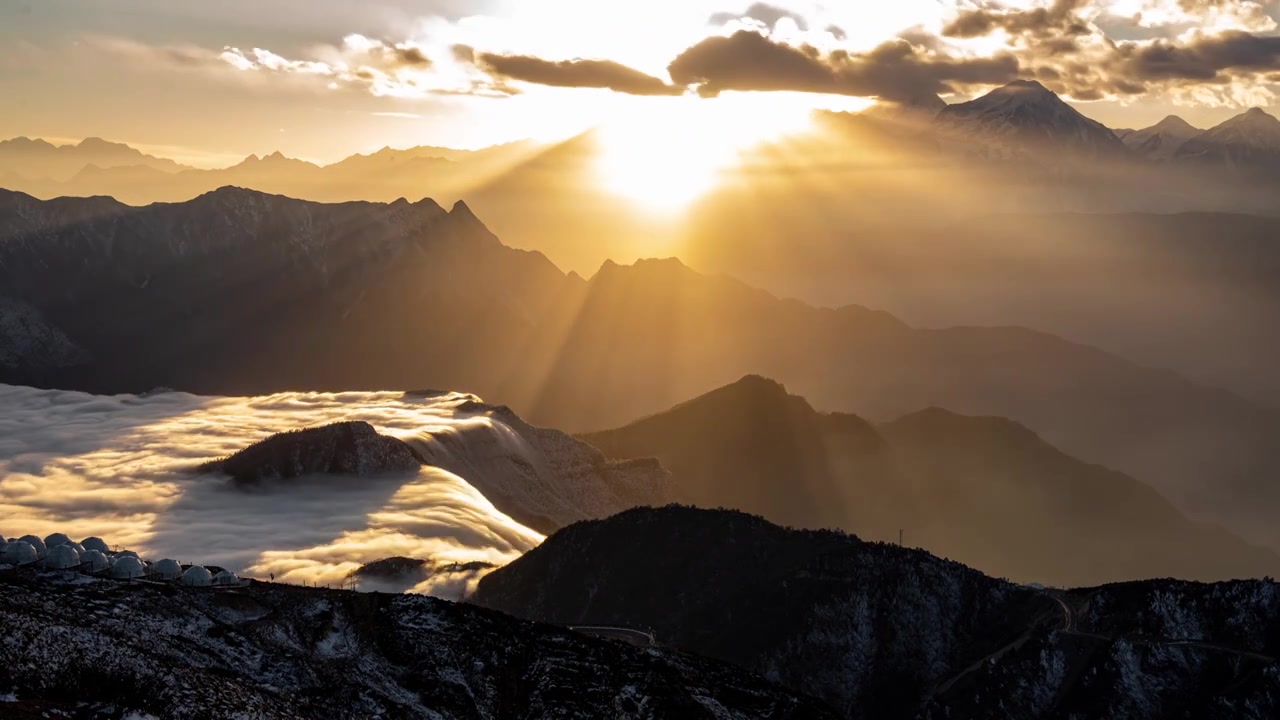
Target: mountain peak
x=1254, y=117
x=462, y=211
x=97, y=142
x=1173, y=123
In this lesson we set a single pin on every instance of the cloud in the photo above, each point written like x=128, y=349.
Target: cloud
x=121, y=468
x=896, y=70
x=387, y=69
x=1202, y=59
x=1061, y=18
x=604, y=74
x=763, y=13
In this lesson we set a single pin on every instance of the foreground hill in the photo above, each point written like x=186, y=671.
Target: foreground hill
x=272, y=293
x=273, y=651
x=883, y=632
x=985, y=491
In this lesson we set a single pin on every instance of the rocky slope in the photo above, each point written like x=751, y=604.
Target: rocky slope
x=345, y=448
x=985, y=491
x=103, y=649
x=31, y=348
x=879, y=631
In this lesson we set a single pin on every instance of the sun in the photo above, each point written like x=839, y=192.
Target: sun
x=665, y=153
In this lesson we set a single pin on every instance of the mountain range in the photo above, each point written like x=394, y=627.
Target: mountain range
x=106, y=649
x=984, y=491
x=409, y=295
x=878, y=631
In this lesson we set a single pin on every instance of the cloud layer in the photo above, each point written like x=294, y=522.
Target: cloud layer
x=1209, y=51
x=121, y=468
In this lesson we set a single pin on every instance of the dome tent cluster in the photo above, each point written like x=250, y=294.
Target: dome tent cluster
x=93, y=557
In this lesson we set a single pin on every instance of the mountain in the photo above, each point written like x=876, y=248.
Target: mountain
x=984, y=491
x=879, y=631
x=31, y=348
x=653, y=334
x=104, y=648
x=344, y=448
x=1162, y=140
x=40, y=160
x=1247, y=144
x=278, y=294
x=1026, y=119
x=384, y=176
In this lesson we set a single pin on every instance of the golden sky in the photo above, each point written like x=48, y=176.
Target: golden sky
x=207, y=83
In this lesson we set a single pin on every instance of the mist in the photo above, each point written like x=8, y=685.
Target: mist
x=123, y=468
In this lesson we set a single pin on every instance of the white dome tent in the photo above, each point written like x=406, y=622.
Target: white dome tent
x=226, y=577
x=128, y=567
x=36, y=543
x=18, y=552
x=96, y=543
x=96, y=561
x=55, y=540
x=197, y=576
x=62, y=557
x=167, y=569
x=127, y=553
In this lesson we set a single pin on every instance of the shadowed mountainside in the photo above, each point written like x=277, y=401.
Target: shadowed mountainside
x=279, y=651
x=274, y=294
x=883, y=632
x=984, y=491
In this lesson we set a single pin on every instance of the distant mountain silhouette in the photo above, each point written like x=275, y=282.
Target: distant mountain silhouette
x=40, y=160
x=131, y=177
x=985, y=491
x=272, y=293
x=884, y=632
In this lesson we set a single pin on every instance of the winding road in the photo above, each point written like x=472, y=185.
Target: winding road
x=635, y=637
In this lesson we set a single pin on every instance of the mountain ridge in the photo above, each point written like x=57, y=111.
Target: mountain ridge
x=986, y=491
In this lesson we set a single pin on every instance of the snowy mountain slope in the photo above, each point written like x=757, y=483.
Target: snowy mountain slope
x=1024, y=119
x=1162, y=140
x=1248, y=143
x=274, y=651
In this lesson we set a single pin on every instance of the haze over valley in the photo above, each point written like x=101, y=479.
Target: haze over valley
x=483, y=359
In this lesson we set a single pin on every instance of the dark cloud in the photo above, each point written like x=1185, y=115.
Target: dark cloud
x=837, y=32
x=575, y=73
x=748, y=61
x=1202, y=59
x=410, y=55
x=1060, y=18
x=767, y=14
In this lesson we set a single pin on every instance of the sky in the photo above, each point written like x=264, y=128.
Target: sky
x=209, y=83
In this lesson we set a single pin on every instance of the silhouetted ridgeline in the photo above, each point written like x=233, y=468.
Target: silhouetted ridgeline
x=883, y=632
x=985, y=491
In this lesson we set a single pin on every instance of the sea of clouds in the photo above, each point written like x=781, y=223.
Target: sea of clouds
x=123, y=468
